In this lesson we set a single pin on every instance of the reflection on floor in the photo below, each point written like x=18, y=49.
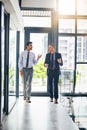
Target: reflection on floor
x=77, y=109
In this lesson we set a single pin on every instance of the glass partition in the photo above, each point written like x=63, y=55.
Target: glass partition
x=12, y=68
x=81, y=78
x=40, y=46
x=66, y=81
x=67, y=49
x=82, y=49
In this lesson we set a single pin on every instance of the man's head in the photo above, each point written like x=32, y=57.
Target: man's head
x=28, y=46
x=51, y=48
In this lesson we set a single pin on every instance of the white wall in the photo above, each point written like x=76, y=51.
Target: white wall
x=16, y=20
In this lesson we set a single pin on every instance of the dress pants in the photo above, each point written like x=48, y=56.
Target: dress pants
x=53, y=78
x=27, y=80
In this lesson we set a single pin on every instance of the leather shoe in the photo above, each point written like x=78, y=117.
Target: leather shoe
x=56, y=101
x=24, y=98
x=28, y=100
x=51, y=99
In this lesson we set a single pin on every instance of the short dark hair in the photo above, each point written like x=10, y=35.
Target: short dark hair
x=29, y=42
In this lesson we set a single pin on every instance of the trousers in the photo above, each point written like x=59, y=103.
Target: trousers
x=53, y=79
x=27, y=80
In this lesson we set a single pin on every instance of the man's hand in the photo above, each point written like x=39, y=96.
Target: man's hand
x=39, y=56
x=46, y=65
x=21, y=73
x=59, y=60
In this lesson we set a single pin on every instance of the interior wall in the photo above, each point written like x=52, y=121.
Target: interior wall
x=16, y=20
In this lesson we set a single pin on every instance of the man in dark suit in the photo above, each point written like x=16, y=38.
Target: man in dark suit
x=53, y=61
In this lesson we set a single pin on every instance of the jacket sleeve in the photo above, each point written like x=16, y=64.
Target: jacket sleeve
x=46, y=60
x=60, y=57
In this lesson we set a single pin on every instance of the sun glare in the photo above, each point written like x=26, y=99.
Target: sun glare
x=66, y=6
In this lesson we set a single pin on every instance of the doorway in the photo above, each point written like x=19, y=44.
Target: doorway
x=40, y=45
x=40, y=39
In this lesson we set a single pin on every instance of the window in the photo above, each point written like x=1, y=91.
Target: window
x=82, y=49
x=66, y=25
x=81, y=26
x=37, y=18
x=82, y=7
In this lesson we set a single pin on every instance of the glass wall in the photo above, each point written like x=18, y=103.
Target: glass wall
x=67, y=49
x=82, y=49
x=72, y=43
x=81, y=59
x=66, y=25
x=12, y=68
x=72, y=25
x=40, y=46
x=81, y=78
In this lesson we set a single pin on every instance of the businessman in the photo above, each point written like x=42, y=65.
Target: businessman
x=26, y=61
x=53, y=61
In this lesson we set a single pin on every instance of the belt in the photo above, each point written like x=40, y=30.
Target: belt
x=52, y=69
x=27, y=68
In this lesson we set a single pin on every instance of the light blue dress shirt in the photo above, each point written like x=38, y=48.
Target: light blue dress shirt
x=23, y=58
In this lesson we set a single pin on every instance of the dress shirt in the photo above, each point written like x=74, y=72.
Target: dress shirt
x=23, y=57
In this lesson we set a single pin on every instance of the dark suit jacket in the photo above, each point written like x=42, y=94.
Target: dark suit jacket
x=57, y=56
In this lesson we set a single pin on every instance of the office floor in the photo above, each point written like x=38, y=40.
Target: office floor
x=40, y=114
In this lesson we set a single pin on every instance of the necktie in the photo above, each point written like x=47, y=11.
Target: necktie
x=27, y=60
x=52, y=61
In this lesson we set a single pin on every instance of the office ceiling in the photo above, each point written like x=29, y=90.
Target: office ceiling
x=38, y=4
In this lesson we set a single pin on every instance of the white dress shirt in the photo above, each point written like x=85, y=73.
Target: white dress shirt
x=23, y=58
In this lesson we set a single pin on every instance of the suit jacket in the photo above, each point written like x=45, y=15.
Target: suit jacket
x=57, y=56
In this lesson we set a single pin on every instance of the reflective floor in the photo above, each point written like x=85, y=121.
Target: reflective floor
x=40, y=114
x=77, y=109
x=50, y=116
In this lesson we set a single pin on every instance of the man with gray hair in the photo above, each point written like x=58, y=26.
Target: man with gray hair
x=53, y=61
